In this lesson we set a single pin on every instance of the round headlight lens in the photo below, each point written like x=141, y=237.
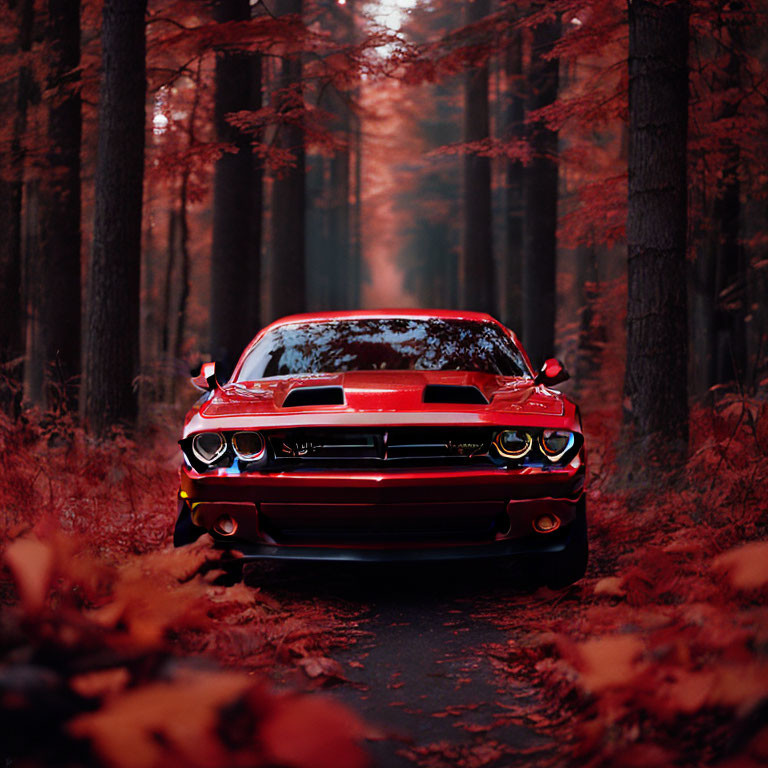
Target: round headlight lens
x=248, y=445
x=555, y=443
x=514, y=443
x=209, y=446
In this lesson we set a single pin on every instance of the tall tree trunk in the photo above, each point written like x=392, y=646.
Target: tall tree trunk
x=59, y=267
x=166, y=316
x=341, y=165
x=14, y=96
x=112, y=327
x=477, y=269
x=731, y=276
x=541, y=192
x=355, y=277
x=515, y=191
x=592, y=336
x=257, y=207
x=289, y=292
x=731, y=300
x=232, y=200
x=657, y=332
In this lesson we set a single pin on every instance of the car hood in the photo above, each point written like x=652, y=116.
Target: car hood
x=384, y=392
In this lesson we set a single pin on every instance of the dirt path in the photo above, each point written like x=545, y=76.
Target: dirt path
x=423, y=670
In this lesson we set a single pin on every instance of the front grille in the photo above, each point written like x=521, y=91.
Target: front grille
x=404, y=447
x=343, y=524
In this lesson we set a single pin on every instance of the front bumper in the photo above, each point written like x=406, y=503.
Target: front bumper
x=429, y=514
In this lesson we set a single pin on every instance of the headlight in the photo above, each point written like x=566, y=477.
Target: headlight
x=555, y=443
x=248, y=446
x=209, y=447
x=514, y=443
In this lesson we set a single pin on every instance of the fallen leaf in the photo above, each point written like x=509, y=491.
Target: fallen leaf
x=31, y=563
x=610, y=585
x=746, y=566
x=313, y=732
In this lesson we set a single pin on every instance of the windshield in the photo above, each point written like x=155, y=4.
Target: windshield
x=398, y=344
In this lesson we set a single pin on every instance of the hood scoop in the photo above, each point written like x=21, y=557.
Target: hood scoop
x=302, y=397
x=454, y=393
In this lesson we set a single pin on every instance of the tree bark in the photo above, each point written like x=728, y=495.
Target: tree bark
x=288, y=280
x=59, y=268
x=231, y=263
x=657, y=333
x=477, y=268
x=112, y=328
x=541, y=192
x=731, y=301
x=515, y=191
x=14, y=96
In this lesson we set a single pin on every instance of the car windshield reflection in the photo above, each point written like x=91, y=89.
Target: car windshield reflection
x=383, y=344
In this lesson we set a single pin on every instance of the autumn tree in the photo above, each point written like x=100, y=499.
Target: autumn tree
x=541, y=196
x=657, y=331
x=331, y=171
x=112, y=318
x=58, y=272
x=288, y=265
x=235, y=306
x=477, y=269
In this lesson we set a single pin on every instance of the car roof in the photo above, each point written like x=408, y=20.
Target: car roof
x=373, y=314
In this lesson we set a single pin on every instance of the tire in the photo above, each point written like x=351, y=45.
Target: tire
x=185, y=532
x=561, y=569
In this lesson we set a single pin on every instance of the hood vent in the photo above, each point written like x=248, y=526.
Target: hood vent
x=451, y=393
x=307, y=396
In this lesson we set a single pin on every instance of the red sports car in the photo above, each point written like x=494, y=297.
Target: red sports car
x=377, y=436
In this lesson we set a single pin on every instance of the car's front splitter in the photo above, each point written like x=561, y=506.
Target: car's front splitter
x=503, y=549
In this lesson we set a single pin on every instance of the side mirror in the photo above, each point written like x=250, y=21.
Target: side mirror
x=551, y=373
x=205, y=381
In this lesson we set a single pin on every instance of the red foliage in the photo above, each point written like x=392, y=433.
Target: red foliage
x=658, y=658
x=99, y=643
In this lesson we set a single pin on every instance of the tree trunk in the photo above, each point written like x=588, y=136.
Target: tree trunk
x=477, y=269
x=731, y=300
x=112, y=328
x=592, y=334
x=657, y=333
x=59, y=267
x=289, y=293
x=14, y=96
x=231, y=327
x=515, y=191
x=257, y=207
x=541, y=192
x=355, y=277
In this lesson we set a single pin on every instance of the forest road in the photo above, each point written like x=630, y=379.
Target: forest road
x=426, y=667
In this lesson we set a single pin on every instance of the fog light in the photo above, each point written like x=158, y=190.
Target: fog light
x=546, y=523
x=226, y=526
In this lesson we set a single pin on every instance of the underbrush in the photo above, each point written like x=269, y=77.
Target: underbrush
x=660, y=656
x=116, y=649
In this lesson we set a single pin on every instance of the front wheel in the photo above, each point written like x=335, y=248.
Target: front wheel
x=561, y=569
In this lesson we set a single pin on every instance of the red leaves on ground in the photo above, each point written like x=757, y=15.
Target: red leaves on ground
x=92, y=652
x=746, y=565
